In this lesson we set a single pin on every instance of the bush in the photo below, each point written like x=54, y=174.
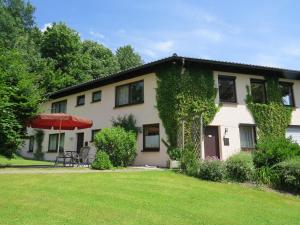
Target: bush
x=127, y=122
x=212, y=169
x=101, y=161
x=174, y=153
x=118, y=144
x=287, y=175
x=263, y=175
x=189, y=162
x=271, y=151
x=239, y=167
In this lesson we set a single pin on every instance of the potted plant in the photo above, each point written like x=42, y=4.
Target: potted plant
x=175, y=155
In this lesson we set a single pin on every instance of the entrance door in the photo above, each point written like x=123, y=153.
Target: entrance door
x=80, y=140
x=211, y=142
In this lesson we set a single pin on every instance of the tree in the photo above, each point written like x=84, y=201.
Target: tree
x=61, y=46
x=128, y=58
x=16, y=19
x=19, y=99
x=60, y=43
x=101, y=59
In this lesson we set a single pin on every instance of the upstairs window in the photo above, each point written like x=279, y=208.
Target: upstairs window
x=59, y=107
x=247, y=137
x=31, y=144
x=96, y=96
x=287, y=93
x=258, y=91
x=151, y=137
x=130, y=94
x=80, y=100
x=227, y=89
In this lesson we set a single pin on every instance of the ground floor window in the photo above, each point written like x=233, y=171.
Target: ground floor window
x=247, y=137
x=31, y=144
x=151, y=137
x=53, y=142
x=94, y=132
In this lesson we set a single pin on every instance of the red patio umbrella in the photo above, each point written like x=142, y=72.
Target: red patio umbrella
x=60, y=121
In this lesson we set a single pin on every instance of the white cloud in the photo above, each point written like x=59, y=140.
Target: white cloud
x=164, y=46
x=46, y=25
x=210, y=35
x=293, y=51
x=268, y=60
x=96, y=34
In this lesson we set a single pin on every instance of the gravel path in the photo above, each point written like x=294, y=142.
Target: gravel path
x=73, y=170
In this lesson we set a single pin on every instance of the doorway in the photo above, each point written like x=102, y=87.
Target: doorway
x=211, y=142
x=80, y=141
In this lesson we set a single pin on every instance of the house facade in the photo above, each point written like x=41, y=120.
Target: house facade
x=134, y=92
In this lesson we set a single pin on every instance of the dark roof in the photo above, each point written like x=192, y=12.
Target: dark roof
x=153, y=66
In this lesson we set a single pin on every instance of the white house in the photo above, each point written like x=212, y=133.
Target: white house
x=134, y=92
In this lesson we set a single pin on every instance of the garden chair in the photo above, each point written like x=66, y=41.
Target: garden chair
x=83, y=156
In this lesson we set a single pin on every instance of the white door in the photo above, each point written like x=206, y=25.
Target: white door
x=294, y=133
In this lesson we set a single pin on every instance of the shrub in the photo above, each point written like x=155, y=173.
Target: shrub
x=101, y=161
x=212, y=169
x=271, y=151
x=189, y=162
x=263, y=175
x=239, y=167
x=287, y=175
x=118, y=144
x=127, y=122
x=175, y=153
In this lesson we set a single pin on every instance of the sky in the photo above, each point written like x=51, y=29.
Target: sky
x=253, y=32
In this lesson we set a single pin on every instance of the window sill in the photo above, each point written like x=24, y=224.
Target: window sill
x=120, y=106
x=228, y=103
x=151, y=150
x=95, y=101
x=247, y=149
x=79, y=105
x=29, y=151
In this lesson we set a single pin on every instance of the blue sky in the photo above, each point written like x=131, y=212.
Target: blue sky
x=254, y=32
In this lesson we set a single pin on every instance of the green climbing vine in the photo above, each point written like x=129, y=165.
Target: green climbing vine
x=39, y=137
x=183, y=95
x=271, y=118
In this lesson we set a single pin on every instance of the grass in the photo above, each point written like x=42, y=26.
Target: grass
x=138, y=198
x=19, y=161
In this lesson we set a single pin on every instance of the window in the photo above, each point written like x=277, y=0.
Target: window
x=247, y=136
x=59, y=107
x=151, y=137
x=130, y=94
x=227, y=92
x=31, y=144
x=80, y=100
x=96, y=96
x=94, y=132
x=53, y=142
x=287, y=93
x=258, y=91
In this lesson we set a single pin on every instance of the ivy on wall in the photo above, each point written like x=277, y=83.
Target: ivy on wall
x=39, y=137
x=184, y=96
x=271, y=118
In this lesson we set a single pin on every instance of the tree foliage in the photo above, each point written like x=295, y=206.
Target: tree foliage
x=33, y=63
x=128, y=58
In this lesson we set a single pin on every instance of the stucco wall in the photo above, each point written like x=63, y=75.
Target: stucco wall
x=229, y=117
x=102, y=113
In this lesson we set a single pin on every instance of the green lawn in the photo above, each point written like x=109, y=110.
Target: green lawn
x=138, y=198
x=19, y=161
